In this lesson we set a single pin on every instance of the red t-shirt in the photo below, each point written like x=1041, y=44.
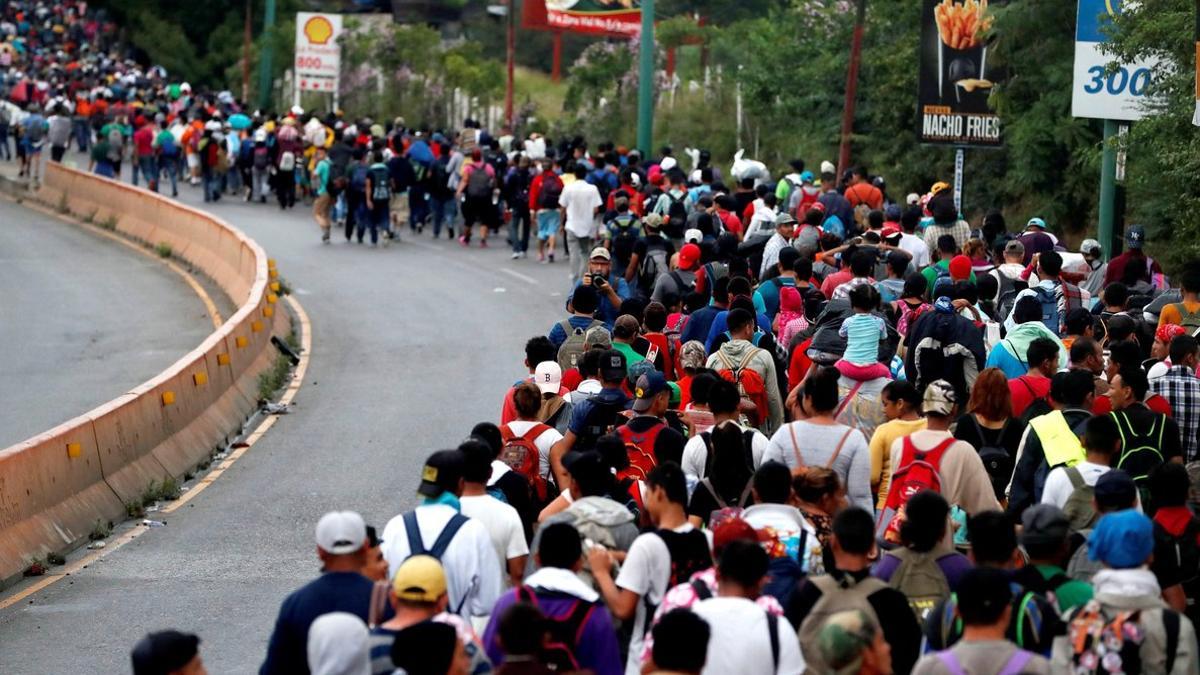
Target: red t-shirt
x=143, y=140
x=800, y=364
x=1025, y=390
x=1155, y=402
x=508, y=412
x=834, y=280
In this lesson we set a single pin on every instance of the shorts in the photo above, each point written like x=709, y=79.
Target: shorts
x=31, y=147
x=863, y=373
x=481, y=211
x=547, y=223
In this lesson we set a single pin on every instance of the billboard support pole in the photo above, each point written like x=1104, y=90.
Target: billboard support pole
x=851, y=89
x=510, y=57
x=556, y=62
x=645, y=134
x=959, y=158
x=1108, y=189
x=264, y=58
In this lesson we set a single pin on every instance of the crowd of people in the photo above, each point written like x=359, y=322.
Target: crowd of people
x=786, y=426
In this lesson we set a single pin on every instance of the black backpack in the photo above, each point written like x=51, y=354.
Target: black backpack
x=558, y=653
x=995, y=458
x=689, y=554
x=552, y=187
x=676, y=217
x=1183, y=553
x=626, y=236
x=601, y=419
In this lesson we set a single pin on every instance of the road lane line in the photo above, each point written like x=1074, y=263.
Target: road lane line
x=518, y=275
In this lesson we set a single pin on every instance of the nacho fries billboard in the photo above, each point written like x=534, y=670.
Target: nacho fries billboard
x=614, y=18
x=956, y=78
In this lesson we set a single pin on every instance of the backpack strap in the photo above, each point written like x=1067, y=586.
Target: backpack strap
x=379, y=600
x=724, y=359
x=846, y=401
x=413, y=531
x=713, y=491
x=678, y=279
x=534, y=432
x=565, y=324
x=703, y=592
x=447, y=535
x=838, y=450
x=706, y=438
x=773, y=636
x=795, y=446
x=576, y=619
x=1075, y=477
x=1016, y=663
x=950, y=662
x=934, y=455
x=1171, y=628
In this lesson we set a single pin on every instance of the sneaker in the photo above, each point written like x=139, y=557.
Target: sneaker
x=516, y=254
x=551, y=257
x=463, y=241
x=541, y=257
x=524, y=255
x=325, y=236
x=483, y=243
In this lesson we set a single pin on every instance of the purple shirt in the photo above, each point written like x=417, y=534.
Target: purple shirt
x=596, y=648
x=953, y=565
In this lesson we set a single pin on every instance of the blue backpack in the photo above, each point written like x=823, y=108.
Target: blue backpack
x=834, y=225
x=1051, y=316
x=358, y=178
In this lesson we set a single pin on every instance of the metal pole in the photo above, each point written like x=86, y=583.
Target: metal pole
x=556, y=59
x=246, y=58
x=958, y=179
x=851, y=89
x=1108, y=189
x=264, y=58
x=512, y=57
x=646, y=81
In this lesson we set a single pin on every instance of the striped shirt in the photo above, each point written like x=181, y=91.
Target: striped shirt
x=1181, y=388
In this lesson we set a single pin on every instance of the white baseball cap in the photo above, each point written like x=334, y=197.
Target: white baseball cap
x=693, y=236
x=548, y=377
x=341, y=532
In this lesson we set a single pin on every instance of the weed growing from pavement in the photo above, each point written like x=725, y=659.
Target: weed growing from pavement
x=91, y=217
x=271, y=380
x=134, y=509
x=56, y=559
x=284, y=287
x=101, y=530
x=64, y=207
x=109, y=223
x=163, y=249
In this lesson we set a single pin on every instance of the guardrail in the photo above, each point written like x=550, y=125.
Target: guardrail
x=54, y=487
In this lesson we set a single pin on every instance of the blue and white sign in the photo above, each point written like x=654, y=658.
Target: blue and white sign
x=1096, y=93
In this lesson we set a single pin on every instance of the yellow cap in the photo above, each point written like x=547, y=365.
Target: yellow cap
x=419, y=579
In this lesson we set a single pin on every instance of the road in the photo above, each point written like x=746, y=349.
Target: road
x=413, y=345
x=74, y=334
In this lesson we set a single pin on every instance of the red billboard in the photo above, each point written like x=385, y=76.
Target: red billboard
x=616, y=18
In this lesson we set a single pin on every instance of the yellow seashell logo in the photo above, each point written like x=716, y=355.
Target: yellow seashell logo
x=318, y=30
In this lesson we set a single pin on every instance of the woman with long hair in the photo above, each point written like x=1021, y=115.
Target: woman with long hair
x=989, y=424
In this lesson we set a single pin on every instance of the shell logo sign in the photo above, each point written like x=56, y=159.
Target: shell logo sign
x=318, y=30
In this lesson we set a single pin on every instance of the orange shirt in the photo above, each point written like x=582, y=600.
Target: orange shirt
x=1170, y=314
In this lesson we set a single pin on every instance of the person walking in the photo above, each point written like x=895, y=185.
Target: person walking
x=580, y=203
x=324, y=201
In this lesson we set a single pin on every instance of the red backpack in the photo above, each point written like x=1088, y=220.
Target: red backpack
x=917, y=471
x=640, y=449
x=754, y=407
x=522, y=456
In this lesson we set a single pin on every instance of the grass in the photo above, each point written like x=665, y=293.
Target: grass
x=545, y=94
x=64, y=207
x=284, y=287
x=91, y=217
x=163, y=249
x=272, y=379
x=101, y=530
x=109, y=223
x=135, y=509
x=56, y=559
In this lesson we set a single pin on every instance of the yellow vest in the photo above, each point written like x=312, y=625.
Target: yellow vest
x=1059, y=442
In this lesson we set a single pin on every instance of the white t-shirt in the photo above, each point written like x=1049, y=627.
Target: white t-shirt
x=473, y=579
x=915, y=246
x=580, y=199
x=647, y=572
x=1058, y=487
x=503, y=525
x=740, y=642
x=695, y=454
x=543, y=442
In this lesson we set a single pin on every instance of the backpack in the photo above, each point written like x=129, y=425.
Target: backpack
x=552, y=187
x=862, y=214
x=287, y=161
x=600, y=420
x=921, y=580
x=996, y=460
x=479, y=184
x=1108, y=640
x=676, y=219
x=625, y=232
x=262, y=157
x=917, y=471
x=1051, y=316
x=168, y=147
x=1078, y=507
x=521, y=455
x=381, y=184
x=834, y=225
x=571, y=350
x=725, y=510
x=1140, y=453
x=1189, y=320
x=438, y=177
x=754, y=407
x=417, y=547
x=1038, y=406
x=1015, y=665
x=1033, y=621
x=836, y=596
x=558, y=653
x=1185, y=551
x=689, y=554
x=1080, y=567
x=640, y=449
x=1031, y=579
x=116, y=144
x=941, y=283
x=652, y=267
x=358, y=177
x=681, y=286
x=35, y=129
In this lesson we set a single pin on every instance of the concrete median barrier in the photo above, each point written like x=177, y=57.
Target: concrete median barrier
x=56, y=486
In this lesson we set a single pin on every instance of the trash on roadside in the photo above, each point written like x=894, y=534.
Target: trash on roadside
x=96, y=544
x=153, y=523
x=277, y=408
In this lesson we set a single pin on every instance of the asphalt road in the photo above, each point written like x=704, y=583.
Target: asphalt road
x=413, y=344
x=65, y=318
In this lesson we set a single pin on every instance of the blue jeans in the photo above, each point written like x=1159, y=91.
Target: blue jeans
x=212, y=185
x=5, y=151
x=171, y=167
x=518, y=229
x=375, y=219
x=444, y=212
x=149, y=169
x=83, y=134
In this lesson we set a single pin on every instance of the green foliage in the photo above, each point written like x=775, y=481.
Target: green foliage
x=163, y=249
x=102, y=529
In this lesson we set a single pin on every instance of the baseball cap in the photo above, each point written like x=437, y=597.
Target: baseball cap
x=1115, y=489
x=419, y=579
x=341, y=532
x=693, y=236
x=1044, y=524
x=732, y=529
x=164, y=652
x=689, y=255
x=843, y=639
x=639, y=368
x=648, y=386
x=784, y=219
x=806, y=177
x=612, y=365
x=1036, y=222
x=597, y=336
x=1091, y=246
x=828, y=167
x=893, y=213
x=1122, y=539
x=548, y=377
x=441, y=472
x=912, y=198
x=600, y=253
x=890, y=232
x=692, y=355
x=985, y=589
x=626, y=326
x=960, y=268
x=938, y=187
x=1135, y=236
x=1014, y=247
x=939, y=398
x=652, y=221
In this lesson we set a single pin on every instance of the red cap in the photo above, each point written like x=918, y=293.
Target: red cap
x=689, y=255
x=734, y=529
x=890, y=231
x=960, y=268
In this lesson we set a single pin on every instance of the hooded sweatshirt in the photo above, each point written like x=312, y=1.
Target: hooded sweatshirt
x=762, y=363
x=1130, y=590
x=1010, y=354
x=337, y=645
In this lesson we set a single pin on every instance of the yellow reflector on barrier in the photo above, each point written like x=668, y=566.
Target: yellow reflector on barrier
x=256, y=326
x=275, y=286
x=168, y=397
x=241, y=342
x=222, y=359
x=272, y=298
x=74, y=450
x=200, y=379
x=268, y=312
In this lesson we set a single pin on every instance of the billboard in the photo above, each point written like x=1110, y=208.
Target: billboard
x=955, y=76
x=615, y=18
x=1096, y=93
x=318, y=63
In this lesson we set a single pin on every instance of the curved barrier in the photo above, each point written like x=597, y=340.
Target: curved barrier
x=56, y=486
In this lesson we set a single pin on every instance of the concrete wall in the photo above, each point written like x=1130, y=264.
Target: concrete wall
x=55, y=486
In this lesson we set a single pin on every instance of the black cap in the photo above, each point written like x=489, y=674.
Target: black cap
x=441, y=472
x=612, y=365
x=425, y=647
x=164, y=652
x=1115, y=489
x=984, y=591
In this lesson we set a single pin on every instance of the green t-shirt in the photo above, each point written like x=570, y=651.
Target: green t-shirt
x=322, y=172
x=631, y=355
x=1073, y=593
x=931, y=273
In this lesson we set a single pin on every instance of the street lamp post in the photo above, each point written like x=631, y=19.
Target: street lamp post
x=645, y=134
